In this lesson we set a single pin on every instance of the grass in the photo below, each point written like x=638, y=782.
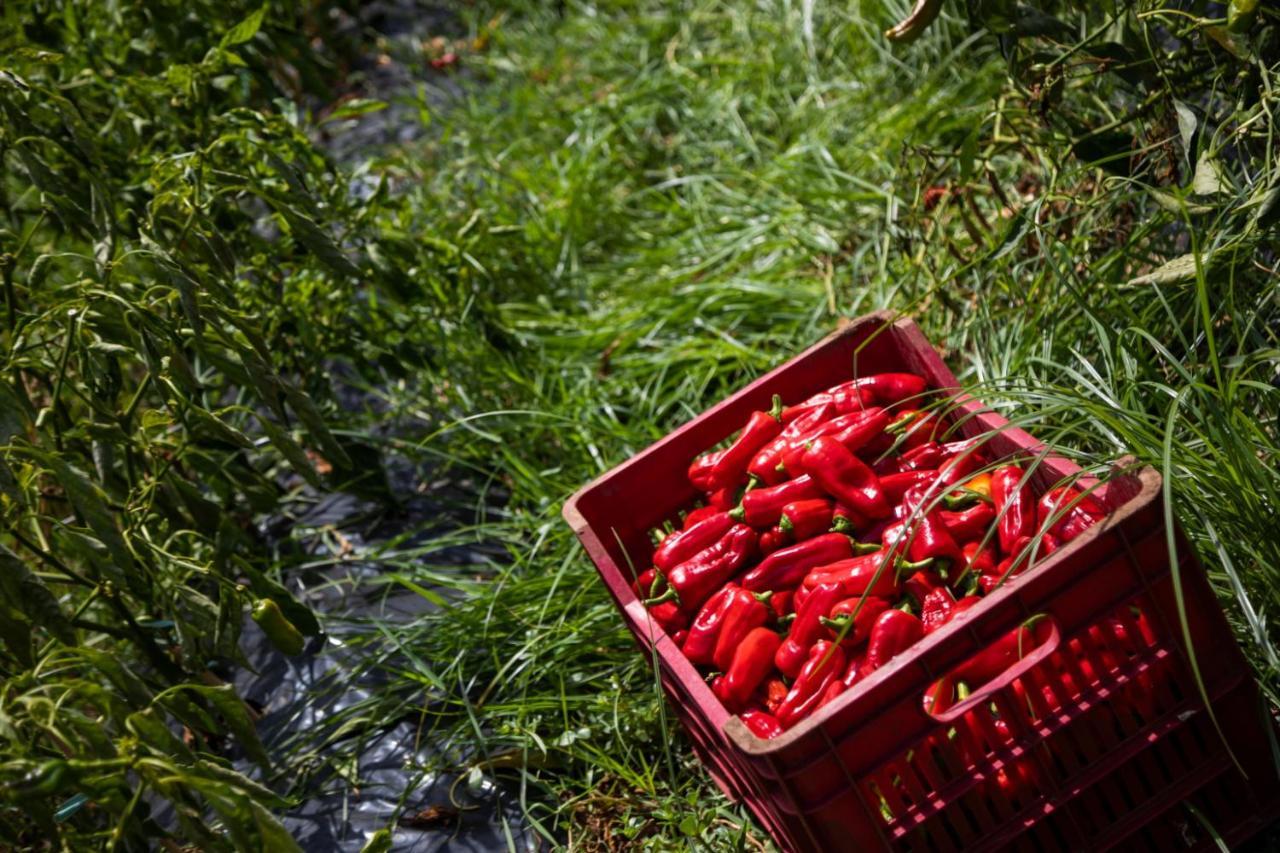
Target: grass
x=633, y=208
x=665, y=200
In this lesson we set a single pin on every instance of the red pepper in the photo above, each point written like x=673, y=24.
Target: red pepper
x=752, y=661
x=838, y=399
x=775, y=690
x=834, y=689
x=845, y=519
x=976, y=488
x=806, y=629
x=872, y=574
x=894, y=632
x=774, y=539
x=969, y=524
x=1031, y=548
x=1049, y=543
x=765, y=464
x=921, y=584
x=799, y=596
x=1056, y=514
x=922, y=429
x=895, y=485
x=979, y=560
x=763, y=507
x=806, y=519
x=723, y=499
x=644, y=585
x=700, y=645
x=846, y=478
x=929, y=537
x=678, y=547
x=825, y=664
x=700, y=470
x=856, y=432
x=693, y=581
x=883, y=388
x=959, y=463
x=851, y=619
x=925, y=457
x=667, y=612
x=761, y=428
x=852, y=672
x=940, y=696
x=935, y=609
x=990, y=583
x=679, y=637
x=853, y=430
x=1014, y=564
x=745, y=613
x=702, y=513
x=786, y=568
x=997, y=657
x=889, y=388
x=1074, y=526
x=781, y=602
x=1013, y=506
x=762, y=724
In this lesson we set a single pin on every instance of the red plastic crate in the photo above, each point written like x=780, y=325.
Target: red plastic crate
x=1111, y=760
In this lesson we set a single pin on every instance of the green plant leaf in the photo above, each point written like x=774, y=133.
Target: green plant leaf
x=23, y=592
x=245, y=30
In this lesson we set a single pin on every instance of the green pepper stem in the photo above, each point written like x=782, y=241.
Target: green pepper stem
x=738, y=513
x=669, y=595
x=963, y=499
x=785, y=525
x=776, y=411
x=841, y=624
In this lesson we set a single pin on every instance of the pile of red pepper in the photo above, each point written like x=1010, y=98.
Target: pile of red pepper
x=833, y=535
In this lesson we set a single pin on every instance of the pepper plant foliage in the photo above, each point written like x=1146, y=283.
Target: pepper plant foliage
x=158, y=221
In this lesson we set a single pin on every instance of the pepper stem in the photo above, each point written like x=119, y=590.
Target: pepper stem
x=763, y=597
x=964, y=498
x=863, y=548
x=785, y=525
x=669, y=595
x=840, y=624
x=904, y=568
x=738, y=513
x=776, y=411
x=841, y=524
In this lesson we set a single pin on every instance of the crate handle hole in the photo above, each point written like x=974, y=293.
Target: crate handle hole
x=970, y=684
